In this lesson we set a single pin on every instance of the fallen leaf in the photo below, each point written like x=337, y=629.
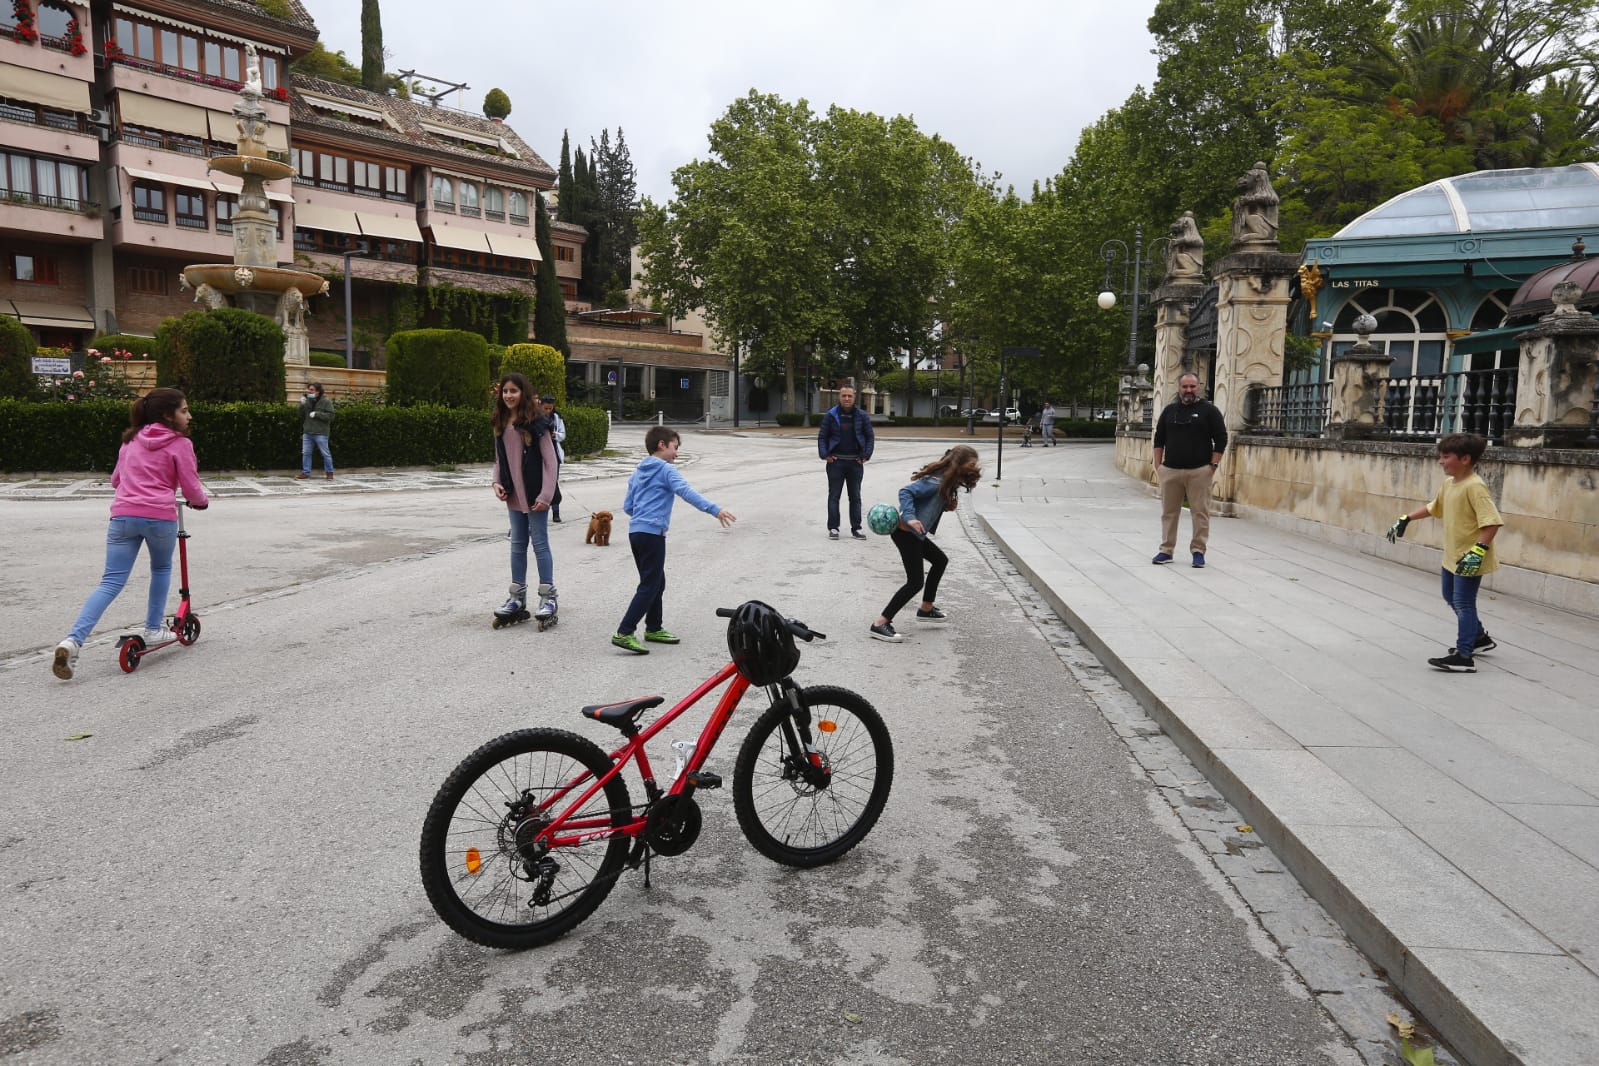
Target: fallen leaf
x=1246, y=829
x=852, y=1018
x=1405, y=1029
x=80, y=736
x=1417, y=1056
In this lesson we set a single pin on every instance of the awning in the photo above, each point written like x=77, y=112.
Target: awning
x=333, y=219
x=277, y=138
x=224, y=184
x=1490, y=340
x=159, y=114
x=224, y=127
x=467, y=240
x=52, y=316
x=39, y=87
x=516, y=247
x=166, y=179
x=389, y=227
x=342, y=106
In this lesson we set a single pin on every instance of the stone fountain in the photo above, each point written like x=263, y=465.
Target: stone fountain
x=254, y=281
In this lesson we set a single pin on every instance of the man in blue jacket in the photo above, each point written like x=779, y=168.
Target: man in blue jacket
x=845, y=444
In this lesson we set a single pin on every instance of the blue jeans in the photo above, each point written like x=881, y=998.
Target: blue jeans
x=842, y=472
x=649, y=556
x=320, y=440
x=531, y=526
x=1460, y=593
x=122, y=542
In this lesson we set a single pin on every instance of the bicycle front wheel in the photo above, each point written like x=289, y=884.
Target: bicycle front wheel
x=486, y=873
x=788, y=811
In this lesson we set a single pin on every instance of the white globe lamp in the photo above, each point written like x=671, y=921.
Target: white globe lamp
x=1107, y=300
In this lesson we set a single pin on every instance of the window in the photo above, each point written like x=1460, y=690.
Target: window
x=31, y=179
x=443, y=193
x=494, y=202
x=188, y=51
x=368, y=178
x=51, y=21
x=147, y=280
x=565, y=253
x=304, y=164
x=189, y=208
x=149, y=202
x=468, y=198
x=518, y=206
x=34, y=269
x=394, y=181
x=227, y=207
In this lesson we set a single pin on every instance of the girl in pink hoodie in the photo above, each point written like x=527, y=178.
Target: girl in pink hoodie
x=157, y=459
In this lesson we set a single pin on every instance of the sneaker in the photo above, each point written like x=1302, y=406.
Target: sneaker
x=1483, y=643
x=660, y=636
x=1454, y=663
x=301, y=477
x=832, y=534
x=329, y=477
x=1161, y=557
x=628, y=642
x=153, y=636
x=1199, y=560
x=857, y=534
x=886, y=632
x=66, y=659
x=934, y=615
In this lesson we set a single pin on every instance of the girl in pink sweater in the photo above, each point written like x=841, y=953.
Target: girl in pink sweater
x=156, y=460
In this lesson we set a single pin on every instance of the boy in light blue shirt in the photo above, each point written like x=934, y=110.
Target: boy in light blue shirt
x=651, y=491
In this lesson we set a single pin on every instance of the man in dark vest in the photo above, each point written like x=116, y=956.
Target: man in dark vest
x=845, y=444
x=1190, y=437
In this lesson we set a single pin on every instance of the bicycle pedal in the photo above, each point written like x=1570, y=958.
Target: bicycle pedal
x=705, y=779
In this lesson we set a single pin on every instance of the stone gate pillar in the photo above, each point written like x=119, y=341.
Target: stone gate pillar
x=1251, y=308
x=1555, y=382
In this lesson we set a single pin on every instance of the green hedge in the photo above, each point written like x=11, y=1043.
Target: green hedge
x=228, y=354
x=16, y=359
x=84, y=437
x=449, y=367
x=543, y=366
x=139, y=347
x=330, y=359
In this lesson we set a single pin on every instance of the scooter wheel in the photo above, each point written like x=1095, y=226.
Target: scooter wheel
x=189, y=631
x=129, y=654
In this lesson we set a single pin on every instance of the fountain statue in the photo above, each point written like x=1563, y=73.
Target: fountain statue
x=254, y=281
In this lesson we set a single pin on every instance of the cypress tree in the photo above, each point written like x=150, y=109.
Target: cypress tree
x=549, y=312
x=563, y=182
x=371, y=46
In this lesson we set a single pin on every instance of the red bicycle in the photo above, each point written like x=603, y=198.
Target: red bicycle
x=527, y=836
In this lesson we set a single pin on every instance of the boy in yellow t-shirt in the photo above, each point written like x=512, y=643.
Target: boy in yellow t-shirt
x=1471, y=521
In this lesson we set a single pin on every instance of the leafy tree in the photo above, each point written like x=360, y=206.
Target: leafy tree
x=371, y=46
x=549, y=311
x=563, y=183
x=496, y=104
x=318, y=62
x=613, y=226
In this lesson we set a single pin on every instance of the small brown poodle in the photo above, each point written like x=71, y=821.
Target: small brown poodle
x=599, y=529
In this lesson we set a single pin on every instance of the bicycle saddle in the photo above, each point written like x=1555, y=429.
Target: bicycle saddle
x=622, y=713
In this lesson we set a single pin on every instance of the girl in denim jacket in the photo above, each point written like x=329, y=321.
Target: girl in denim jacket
x=922, y=503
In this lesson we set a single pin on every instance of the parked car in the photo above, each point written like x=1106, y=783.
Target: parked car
x=949, y=410
x=975, y=412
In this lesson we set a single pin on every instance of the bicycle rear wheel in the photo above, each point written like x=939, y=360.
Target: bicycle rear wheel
x=485, y=875
x=786, y=811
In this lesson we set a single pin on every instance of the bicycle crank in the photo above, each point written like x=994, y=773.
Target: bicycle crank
x=673, y=825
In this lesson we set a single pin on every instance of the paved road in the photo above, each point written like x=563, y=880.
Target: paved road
x=224, y=868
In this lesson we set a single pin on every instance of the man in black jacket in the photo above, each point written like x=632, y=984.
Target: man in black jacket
x=1190, y=436
x=845, y=444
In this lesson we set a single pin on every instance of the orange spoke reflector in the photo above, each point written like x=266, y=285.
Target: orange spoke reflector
x=474, y=861
x=827, y=725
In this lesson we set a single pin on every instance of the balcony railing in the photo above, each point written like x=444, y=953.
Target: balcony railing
x=1467, y=401
x=43, y=116
x=60, y=203
x=176, y=72
x=1290, y=410
x=1426, y=407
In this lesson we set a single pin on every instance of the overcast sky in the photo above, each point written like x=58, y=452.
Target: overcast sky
x=1011, y=83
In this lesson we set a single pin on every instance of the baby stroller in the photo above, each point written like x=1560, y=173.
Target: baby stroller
x=1027, y=434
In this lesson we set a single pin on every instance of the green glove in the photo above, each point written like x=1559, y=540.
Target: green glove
x=1397, y=530
x=1470, y=564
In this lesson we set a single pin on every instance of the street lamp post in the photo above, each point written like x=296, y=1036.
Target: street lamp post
x=1133, y=259
x=349, y=334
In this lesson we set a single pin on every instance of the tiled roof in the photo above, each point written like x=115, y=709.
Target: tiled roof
x=299, y=17
x=527, y=166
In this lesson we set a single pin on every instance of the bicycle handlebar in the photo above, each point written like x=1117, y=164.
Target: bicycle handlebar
x=795, y=626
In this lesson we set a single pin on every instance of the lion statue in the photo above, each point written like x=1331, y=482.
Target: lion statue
x=1255, y=210
x=1185, y=252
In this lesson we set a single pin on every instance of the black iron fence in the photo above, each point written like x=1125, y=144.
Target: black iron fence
x=1415, y=408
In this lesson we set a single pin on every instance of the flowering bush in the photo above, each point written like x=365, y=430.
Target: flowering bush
x=114, y=52
x=280, y=93
x=74, y=38
x=22, y=11
x=103, y=377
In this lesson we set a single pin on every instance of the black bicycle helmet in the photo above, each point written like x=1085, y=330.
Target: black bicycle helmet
x=762, y=647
